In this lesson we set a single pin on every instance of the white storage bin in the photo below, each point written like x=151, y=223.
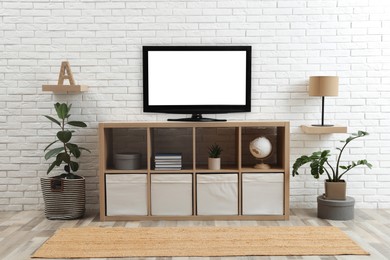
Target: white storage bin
x=262, y=193
x=217, y=194
x=171, y=194
x=126, y=194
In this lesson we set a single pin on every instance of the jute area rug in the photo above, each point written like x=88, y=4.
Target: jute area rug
x=94, y=242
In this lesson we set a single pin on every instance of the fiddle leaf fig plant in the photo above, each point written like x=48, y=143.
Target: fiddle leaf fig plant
x=319, y=162
x=67, y=151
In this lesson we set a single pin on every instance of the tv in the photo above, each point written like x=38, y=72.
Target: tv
x=197, y=80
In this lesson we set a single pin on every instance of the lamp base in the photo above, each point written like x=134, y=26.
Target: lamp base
x=262, y=166
x=323, y=125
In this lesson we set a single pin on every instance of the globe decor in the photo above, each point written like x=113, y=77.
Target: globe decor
x=261, y=149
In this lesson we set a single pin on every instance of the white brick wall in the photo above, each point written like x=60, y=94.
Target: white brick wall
x=102, y=40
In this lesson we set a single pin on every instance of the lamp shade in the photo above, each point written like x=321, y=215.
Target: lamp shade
x=324, y=86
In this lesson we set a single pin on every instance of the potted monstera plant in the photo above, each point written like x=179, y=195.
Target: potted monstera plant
x=214, y=160
x=335, y=186
x=64, y=194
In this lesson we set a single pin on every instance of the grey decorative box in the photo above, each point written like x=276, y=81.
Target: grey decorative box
x=335, y=209
x=127, y=161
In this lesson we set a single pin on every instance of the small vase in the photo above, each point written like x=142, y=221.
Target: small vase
x=214, y=163
x=335, y=190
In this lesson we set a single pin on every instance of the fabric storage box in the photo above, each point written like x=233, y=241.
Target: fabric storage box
x=262, y=193
x=217, y=194
x=127, y=161
x=335, y=209
x=171, y=194
x=126, y=194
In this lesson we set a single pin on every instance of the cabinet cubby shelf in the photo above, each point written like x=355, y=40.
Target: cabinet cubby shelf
x=198, y=170
x=192, y=139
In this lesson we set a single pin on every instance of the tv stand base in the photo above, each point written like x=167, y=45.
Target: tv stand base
x=197, y=118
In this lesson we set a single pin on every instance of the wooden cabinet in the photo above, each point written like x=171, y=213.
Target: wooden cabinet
x=191, y=140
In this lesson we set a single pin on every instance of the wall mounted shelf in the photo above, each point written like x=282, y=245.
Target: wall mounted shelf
x=65, y=73
x=309, y=129
x=65, y=88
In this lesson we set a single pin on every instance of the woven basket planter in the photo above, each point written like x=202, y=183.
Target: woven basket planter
x=64, y=198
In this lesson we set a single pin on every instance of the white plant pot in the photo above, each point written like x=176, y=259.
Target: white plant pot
x=214, y=163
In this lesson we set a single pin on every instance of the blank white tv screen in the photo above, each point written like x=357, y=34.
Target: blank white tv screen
x=197, y=77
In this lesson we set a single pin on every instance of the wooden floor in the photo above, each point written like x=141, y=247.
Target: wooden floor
x=21, y=233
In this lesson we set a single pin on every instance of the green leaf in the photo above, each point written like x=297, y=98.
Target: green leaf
x=317, y=167
x=77, y=123
x=53, y=120
x=64, y=157
x=300, y=162
x=57, y=162
x=362, y=133
x=57, y=108
x=53, y=152
x=215, y=151
x=64, y=136
x=50, y=145
x=74, y=149
x=317, y=161
x=62, y=110
x=51, y=167
x=349, y=139
x=85, y=149
x=325, y=153
x=74, y=166
x=364, y=162
x=369, y=165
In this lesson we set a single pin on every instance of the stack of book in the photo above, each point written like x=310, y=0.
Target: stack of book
x=167, y=161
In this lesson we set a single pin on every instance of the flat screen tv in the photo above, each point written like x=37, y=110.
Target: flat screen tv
x=197, y=80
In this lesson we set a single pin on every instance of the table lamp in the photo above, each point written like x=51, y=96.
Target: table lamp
x=323, y=86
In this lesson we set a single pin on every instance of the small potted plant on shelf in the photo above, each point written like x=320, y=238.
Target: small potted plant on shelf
x=335, y=186
x=214, y=161
x=64, y=194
